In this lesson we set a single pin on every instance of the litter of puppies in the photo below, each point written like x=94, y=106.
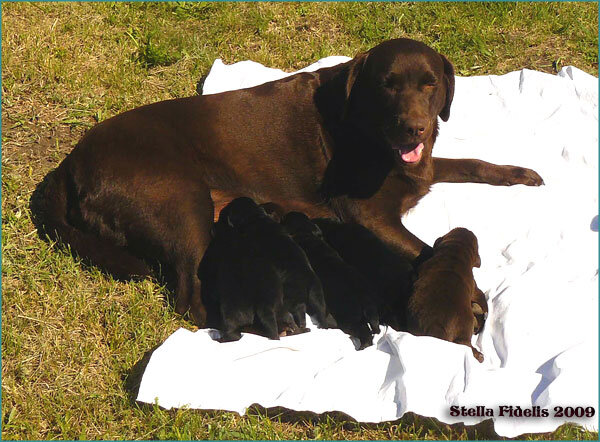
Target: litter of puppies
x=264, y=270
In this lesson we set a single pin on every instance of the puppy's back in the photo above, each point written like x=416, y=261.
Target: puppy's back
x=443, y=291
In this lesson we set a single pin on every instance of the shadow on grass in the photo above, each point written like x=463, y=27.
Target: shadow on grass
x=133, y=378
x=483, y=430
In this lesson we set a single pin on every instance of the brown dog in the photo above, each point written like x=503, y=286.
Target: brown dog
x=441, y=303
x=352, y=141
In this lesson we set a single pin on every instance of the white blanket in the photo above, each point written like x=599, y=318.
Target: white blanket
x=539, y=253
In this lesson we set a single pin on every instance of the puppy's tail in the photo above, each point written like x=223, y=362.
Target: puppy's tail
x=50, y=203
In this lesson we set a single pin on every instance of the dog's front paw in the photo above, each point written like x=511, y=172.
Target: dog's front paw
x=522, y=175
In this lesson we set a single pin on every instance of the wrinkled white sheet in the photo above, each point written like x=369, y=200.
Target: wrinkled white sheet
x=539, y=251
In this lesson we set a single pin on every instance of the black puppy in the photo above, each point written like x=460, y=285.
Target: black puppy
x=241, y=293
x=271, y=245
x=390, y=274
x=348, y=295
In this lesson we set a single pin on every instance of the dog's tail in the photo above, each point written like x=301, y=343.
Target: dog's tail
x=50, y=204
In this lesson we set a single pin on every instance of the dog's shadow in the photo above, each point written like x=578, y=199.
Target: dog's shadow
x=413, y=423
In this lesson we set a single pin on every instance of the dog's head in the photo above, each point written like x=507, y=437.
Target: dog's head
x=396, y=91
x=461, y=238
x=274, y=211
x=296, y=222
x=326, y=225
x=240, y=211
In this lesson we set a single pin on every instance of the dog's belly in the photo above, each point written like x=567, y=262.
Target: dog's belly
x=308, y=206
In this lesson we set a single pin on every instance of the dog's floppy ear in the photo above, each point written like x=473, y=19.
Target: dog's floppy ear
x=449, y=79
x=355, y=68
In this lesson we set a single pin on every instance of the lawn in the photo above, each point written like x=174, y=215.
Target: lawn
x=73, y=339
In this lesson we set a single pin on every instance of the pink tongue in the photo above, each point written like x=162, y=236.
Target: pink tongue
x=414, y=155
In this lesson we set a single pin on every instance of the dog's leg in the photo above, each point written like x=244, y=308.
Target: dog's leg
x=448, y=170
x=387, y=224
x=299, y=315
x=187, y=236
x=364, y=335
x=316, y=305
x=268, y=321
x=286, y=324
x=188, y=292
x=401, y=240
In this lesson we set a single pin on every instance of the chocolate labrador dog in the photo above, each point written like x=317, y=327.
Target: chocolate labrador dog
x=352, y=141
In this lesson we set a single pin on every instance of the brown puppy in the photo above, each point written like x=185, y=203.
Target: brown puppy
x=351, y=141
x=445, y=288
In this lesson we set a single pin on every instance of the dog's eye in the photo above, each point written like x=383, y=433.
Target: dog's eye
x=388, y=83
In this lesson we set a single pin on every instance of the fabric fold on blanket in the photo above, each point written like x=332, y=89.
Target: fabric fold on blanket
x=539, y=253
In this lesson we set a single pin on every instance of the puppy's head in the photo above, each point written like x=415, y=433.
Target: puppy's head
x=240, y=211
x=396, y=91
x=274, y=211
x=463, y=239
x=296, y=222
x=326, y=224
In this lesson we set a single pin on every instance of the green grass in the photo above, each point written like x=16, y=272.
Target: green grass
x=71, y=337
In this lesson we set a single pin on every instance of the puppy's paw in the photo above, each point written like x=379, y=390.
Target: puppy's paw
x=522, y=175
x=297, y=331
x=478, y=355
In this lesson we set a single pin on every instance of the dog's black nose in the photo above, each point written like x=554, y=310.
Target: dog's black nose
x=416, y=128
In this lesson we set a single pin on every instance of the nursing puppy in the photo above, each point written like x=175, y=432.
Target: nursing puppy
x=441, y=304
x=391, y=275
x=271, y=245
x=348, y=295
x=241, y=293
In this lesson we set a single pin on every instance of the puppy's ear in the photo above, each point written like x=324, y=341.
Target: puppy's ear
x=449, y=80
x=438, y=241
x=477, y=262
x=274, y=211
